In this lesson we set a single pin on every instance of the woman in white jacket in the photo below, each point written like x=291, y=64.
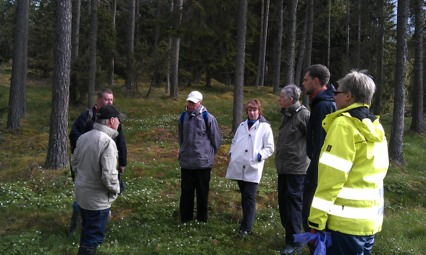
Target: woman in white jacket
x=252, y=144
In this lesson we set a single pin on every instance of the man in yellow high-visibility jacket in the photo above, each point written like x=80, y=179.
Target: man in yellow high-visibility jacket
x=353, y=162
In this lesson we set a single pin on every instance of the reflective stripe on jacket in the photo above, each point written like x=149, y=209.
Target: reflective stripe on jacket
x=352, y=166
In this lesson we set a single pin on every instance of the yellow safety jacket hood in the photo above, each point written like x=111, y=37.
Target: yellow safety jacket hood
x=371, y=130
x=352, y=165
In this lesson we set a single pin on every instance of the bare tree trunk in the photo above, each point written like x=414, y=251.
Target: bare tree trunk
x=291, y=42
x=277, y=50
x=264, y=17
x=130, y=79
x=174, y=69
x=17, y=96
x=376, y=106
x=92, y=52
x=397, y=130
x=58, y=139
x=169, y=66
x=329, y=34
x=301, y=55
x=75, y=37
x=240, y=66
x=417, y=124
x=112, y=60
x=358, y=45
x=309, y=35
x=348, y=20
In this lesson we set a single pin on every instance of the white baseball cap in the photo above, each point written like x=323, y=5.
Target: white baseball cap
x=195, y=97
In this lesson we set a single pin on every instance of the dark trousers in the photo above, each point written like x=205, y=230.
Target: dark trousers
x=93, y=225
x=194, y=181
x=350, y=245
x=290, y=194
x=308, y=195
x=248, y=203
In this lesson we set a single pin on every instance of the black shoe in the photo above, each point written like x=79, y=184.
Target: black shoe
x=244, y=233
x=83, y=250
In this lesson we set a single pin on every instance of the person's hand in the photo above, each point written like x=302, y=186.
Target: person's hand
x=259, y=157
x=121, y=169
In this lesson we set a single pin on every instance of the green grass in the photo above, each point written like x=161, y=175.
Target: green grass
x=35, y=203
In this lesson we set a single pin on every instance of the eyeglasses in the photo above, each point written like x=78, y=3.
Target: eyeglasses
x=338, y=92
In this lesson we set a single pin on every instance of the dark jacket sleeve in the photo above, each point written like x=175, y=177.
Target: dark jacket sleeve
x=79, y=127
x=121, y=147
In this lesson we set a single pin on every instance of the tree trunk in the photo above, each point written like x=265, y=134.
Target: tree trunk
x=240, y=66
x=301, y=55
x=348, y=20
x=358, y=39
x=112, y=59
x=130, y=79
x=75, y=37
x=291, y=42
x=397, y=129
x=309, y=35
x=58, y=139
x=376, y=105
x=259, y=55
x=174, y=68
x=417, y=124
x=92, y=52
x=260, y=78
x=277, y=50
x=169, y=60
x=329, y=34
x=17, y=96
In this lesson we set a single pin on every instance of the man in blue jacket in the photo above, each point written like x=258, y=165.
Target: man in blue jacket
x=199, y=140
x=321, y=103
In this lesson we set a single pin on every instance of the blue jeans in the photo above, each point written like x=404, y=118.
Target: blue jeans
x=94, y=225
x=248, y=203
x=350, y=245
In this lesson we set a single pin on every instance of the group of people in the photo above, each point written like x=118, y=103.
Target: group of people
x=331, y=160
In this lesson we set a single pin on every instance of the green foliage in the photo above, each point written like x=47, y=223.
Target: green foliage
x=35, y=203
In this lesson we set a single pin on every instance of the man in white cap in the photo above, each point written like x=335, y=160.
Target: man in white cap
x=199, y=140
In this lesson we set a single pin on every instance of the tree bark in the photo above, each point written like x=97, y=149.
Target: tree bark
x=348, y=40
x=301, y=56
x=417, y=124
x=92, y=52
x=17, y=96
x=112, y=59
x=309, y=35
x=75, y=37
x=240, y=66
x=174, y=68
x=130, y=79
x=397, y=129
x=329, y=34
x=58, y=139
x=291, y=42
x=376, y=105
x=277, y=50
x=260, y=78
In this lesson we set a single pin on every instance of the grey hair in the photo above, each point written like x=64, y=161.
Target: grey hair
x=102, y=121
x=292, y=91
x=360, y=85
